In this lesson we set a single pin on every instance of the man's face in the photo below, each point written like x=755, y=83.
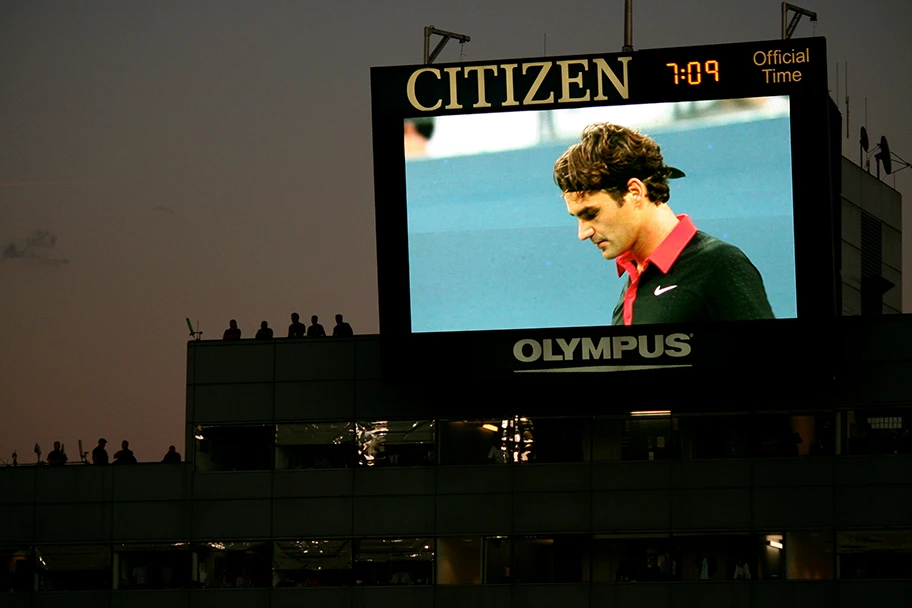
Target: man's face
x=612, y=229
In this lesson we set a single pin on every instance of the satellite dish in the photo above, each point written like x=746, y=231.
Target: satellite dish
x=884, y=155
x=864, y=139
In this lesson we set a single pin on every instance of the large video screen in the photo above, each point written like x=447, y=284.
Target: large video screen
x=494, y=245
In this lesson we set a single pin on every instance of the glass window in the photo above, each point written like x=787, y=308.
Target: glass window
x=470, y=442
x=73, y=568
x=718, y=557
x=234, y=448
x=459, y=560
x=704, y=437
x=17, y=569
x=312, y=563
x=233, y=564
x=316, y=445
x=495, y=441
x=877, y=431
x=394, y=561
x=808, y=555
x=396, y=442
x=557, y=439
x=645, y=436
x=784, y=435
x=498, y=553
x=551, y=559
x=771, y=557
x=630, y=558
x=875, y=554
x=153, y=566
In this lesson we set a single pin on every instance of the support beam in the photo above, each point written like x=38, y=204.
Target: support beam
x=430, y=56
x=789, y=28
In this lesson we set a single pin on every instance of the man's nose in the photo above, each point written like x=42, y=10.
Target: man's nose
x=585, y=231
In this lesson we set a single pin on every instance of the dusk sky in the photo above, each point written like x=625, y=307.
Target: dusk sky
x=212, y=160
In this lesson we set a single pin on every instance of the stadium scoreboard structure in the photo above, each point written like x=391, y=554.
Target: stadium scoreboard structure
x=480, y=268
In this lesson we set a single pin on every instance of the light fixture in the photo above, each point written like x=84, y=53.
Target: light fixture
x=651, y=413
x=490, y=427
x=775, y=544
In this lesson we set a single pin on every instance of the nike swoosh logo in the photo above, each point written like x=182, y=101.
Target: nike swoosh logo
x=660, y=290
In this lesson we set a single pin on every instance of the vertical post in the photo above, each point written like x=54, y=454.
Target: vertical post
x=784, y=24
x=628, y=26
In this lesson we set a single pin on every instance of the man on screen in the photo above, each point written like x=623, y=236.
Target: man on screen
x=615, y=182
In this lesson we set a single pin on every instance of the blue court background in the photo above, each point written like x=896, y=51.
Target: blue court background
x=491, y=245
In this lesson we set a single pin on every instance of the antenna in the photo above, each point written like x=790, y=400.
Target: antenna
x=628, y=27
x=196, y=335
x=848, y=111
x=430, y=56
x=789, y=29
x=864, y=144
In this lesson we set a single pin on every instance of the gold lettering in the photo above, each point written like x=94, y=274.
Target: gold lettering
x=762, y=58
x=454, y=102
x=410, y=89
x=511, y=99
x=482, y=101
x=621, y=88
x=545, y=66
x=566, y=81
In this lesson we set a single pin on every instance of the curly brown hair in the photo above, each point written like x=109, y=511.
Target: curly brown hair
x=609, y=155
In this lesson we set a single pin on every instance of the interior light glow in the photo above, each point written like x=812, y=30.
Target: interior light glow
x=775, y=544
x=489, y=427
x=651, y=413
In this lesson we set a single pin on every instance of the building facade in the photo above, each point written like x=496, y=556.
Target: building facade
x=871, y=243
x=311, y=482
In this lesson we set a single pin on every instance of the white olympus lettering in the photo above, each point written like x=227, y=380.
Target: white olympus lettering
x=562, y=349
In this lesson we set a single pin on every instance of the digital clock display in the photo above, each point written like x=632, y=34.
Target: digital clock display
x=692, y=73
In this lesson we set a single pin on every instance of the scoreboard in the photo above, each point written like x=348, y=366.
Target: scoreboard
x=478, y=258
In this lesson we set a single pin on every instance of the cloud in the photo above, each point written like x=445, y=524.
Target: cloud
x=163, y=209
x=38, y=247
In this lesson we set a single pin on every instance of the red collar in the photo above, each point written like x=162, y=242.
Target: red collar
x=665, y=254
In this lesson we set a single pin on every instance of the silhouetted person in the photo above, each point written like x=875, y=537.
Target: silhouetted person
x=342, y=329
x=263, y=333
x=125, y=454
x=100, y=454
x=233, y=332
x=315, y=330
x=296, y=329
x=173, y=456
x=57, y=457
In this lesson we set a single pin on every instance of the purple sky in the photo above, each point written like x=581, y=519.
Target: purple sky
x=212, y=159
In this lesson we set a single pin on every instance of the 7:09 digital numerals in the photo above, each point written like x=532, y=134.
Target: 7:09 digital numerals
x=693, y=72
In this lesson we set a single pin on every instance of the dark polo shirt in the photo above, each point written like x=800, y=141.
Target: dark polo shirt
x=691, y=277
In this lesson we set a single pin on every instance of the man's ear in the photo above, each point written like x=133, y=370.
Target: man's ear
x=638, y=189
